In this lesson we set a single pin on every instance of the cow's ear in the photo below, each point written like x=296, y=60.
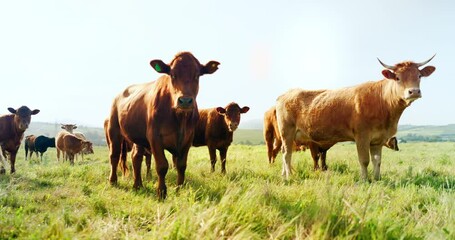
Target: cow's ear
x=244, y=109
x=74, y=127
x=427, y=71
x=210, y=67
x=160, y=66
x=34, y=112
x=221, y=110
x=389, y=74
x=12, y=110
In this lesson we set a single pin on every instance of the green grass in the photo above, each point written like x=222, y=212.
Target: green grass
x=414, y=199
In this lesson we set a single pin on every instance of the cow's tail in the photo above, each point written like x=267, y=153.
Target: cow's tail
x=123, y=156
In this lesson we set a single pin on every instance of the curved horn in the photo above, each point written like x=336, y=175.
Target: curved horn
x=427, y=61
x=386, y=66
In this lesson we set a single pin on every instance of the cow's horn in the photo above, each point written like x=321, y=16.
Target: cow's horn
x=386, y=66
x=427, y=61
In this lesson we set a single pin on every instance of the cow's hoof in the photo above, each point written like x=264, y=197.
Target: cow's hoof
x=2, y=171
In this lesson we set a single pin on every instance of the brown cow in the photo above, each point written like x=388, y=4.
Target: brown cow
x=215, y=130
x=159, y=115
x=273, y=142
x=12, y=128
x=367, y=114
x=29, y=145
x=73, y=145
x=67, y=128
x=84, y=150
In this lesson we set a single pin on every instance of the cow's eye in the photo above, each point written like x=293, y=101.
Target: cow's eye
x=398, y=79
x=420, y=75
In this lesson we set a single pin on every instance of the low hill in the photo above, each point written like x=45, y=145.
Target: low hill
x=254, y=136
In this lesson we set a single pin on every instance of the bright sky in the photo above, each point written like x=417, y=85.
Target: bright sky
x=70, y=58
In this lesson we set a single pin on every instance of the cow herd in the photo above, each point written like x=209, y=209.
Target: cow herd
x=149, y=118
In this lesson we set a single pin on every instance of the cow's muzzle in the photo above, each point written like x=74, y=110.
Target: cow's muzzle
x=186, y=103
x=412, y=93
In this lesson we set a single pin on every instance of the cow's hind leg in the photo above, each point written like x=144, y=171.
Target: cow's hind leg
x=323, y=157
x=376, y=155
x=115, y=145
x=288, y=145
x=148, y=164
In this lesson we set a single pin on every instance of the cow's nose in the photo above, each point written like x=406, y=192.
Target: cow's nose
x=414, y=93
x=233, y=126
x=185, y=102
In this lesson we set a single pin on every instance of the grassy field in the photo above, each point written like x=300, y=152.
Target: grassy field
x=414, y=200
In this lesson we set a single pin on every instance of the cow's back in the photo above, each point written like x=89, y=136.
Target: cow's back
x=72, y=144
x=129, y=111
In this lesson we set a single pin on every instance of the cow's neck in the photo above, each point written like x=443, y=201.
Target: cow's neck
x=394, y=103
x=186, y=125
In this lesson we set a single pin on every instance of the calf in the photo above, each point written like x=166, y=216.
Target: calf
x=72, y=145
x=367, y=114
x=12, y=128
x=42, y=143
x=85, y=150
x=67, y=129
x=29, y=145
x=215, y=130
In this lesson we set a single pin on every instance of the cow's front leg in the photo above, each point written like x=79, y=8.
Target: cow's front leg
x=2, y=163
x=12, y=159
x=137, y=156
x=181, y=166
x=212, y=153
x=376, y=155
x=223, y=153
x=162, y=166
x=363, y=152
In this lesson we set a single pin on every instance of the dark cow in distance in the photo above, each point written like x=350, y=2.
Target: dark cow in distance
x=273, y=142
x=158, y=116
x=42, y=143
x=367, y=114
x=12, y=128
x=215, y=130
x=29, y=145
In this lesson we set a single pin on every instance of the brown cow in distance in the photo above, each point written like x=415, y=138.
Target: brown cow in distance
x=73, y=145
x=273, y=141
x=67, y=128
x=12, y=128
x=29, y=145
x=215, y=130
x=367, y=114
x=158, y=116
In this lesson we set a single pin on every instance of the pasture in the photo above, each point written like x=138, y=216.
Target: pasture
x=415, y=199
